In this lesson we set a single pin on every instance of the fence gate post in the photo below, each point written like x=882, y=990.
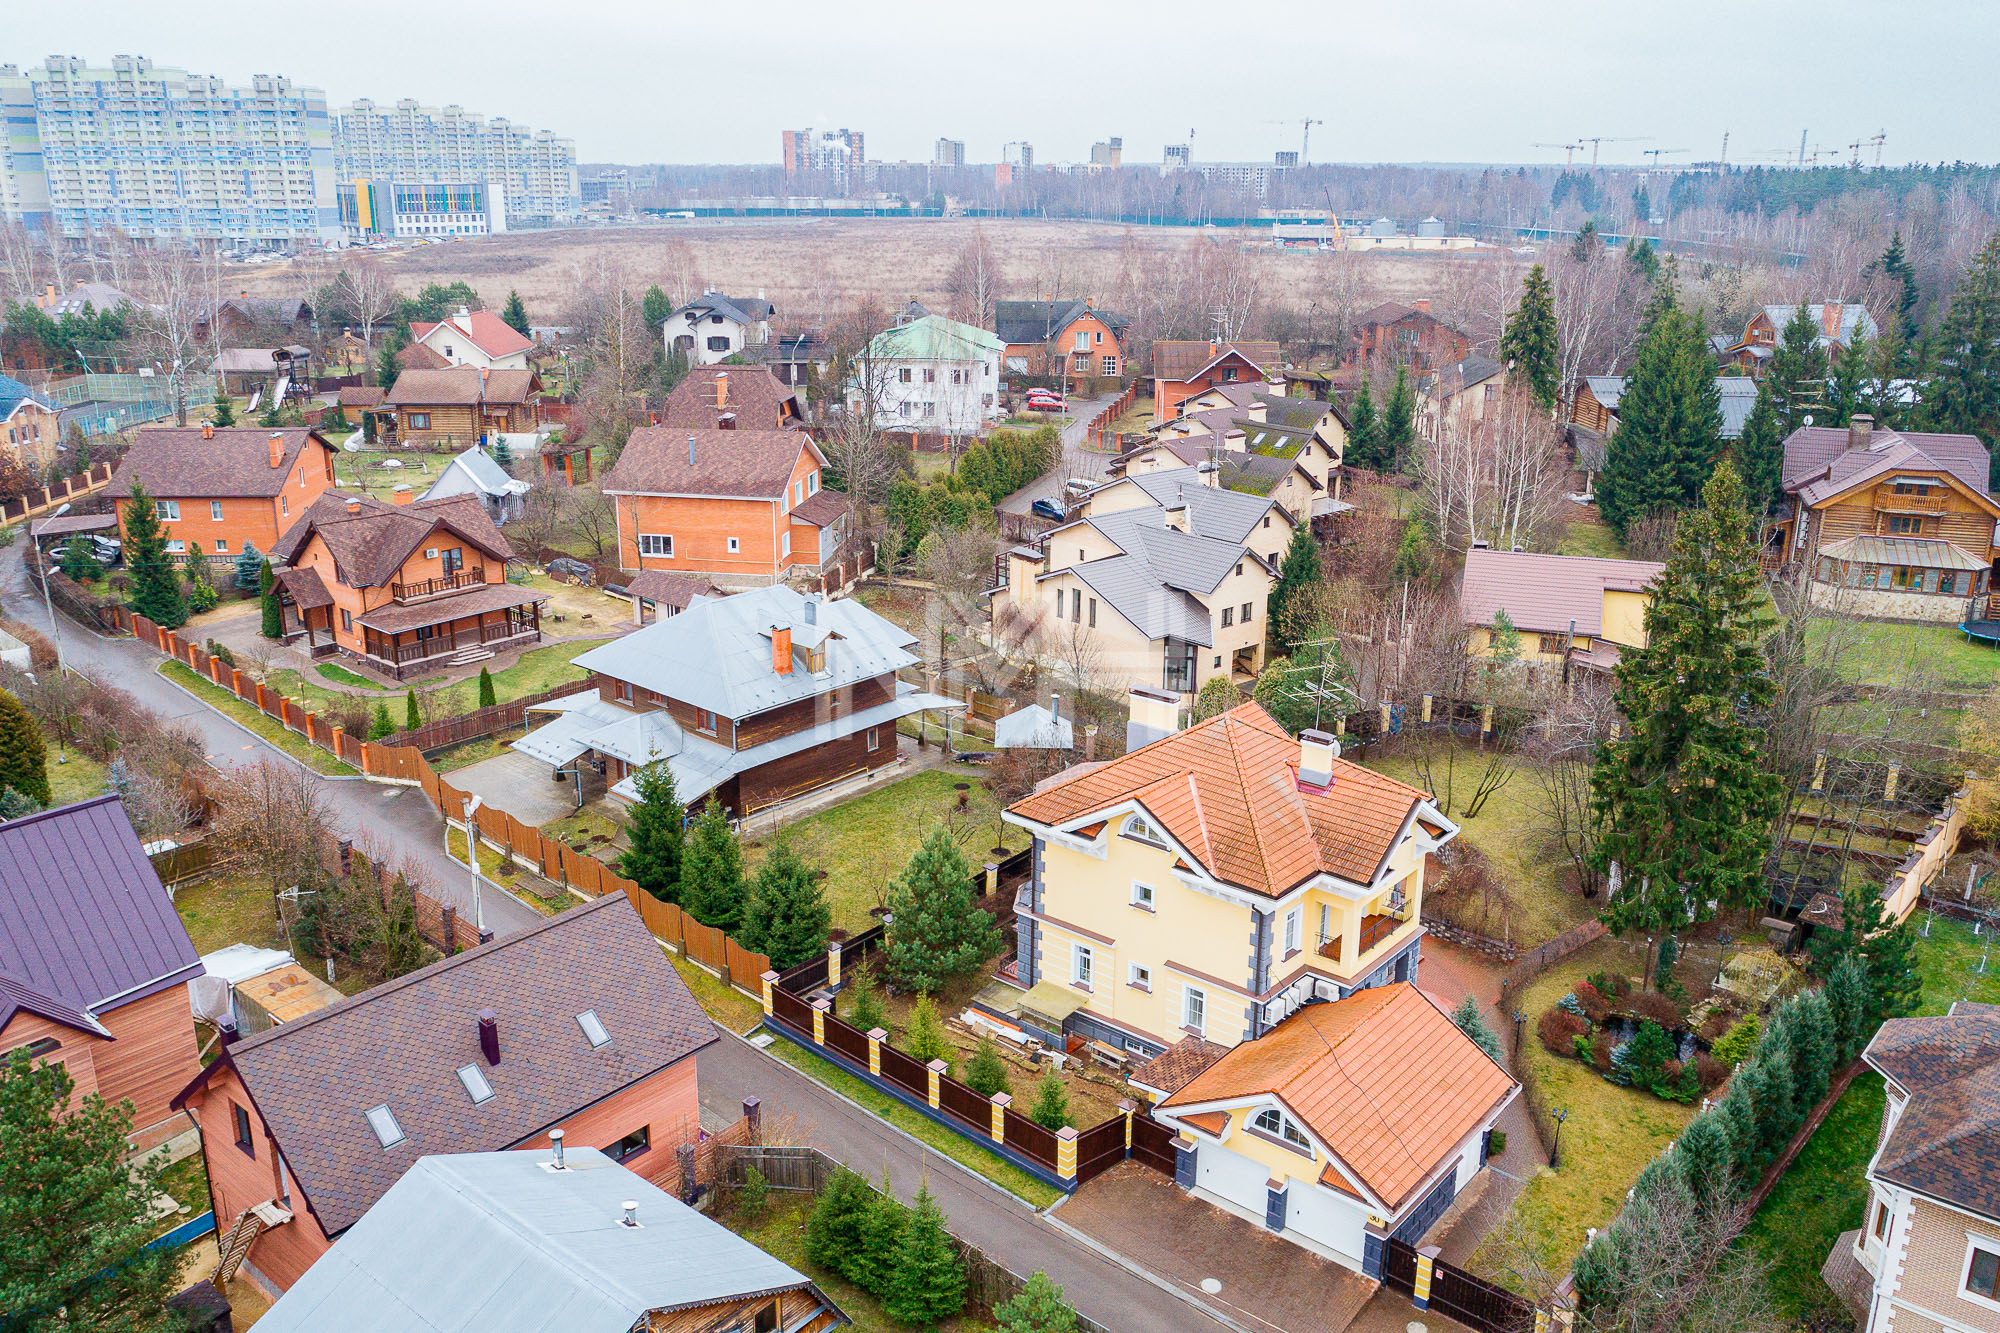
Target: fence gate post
x=1889, y=787
x=1383, y=708
x=1420, y=1293
x=770, y=979
x=1486, y=720
x=876, y=1036
x=1819, y=770
x=1126, y=1108
x=753, y=1117
x=819, y=1031
x=1374, y=1248
x=833, y=964
x=1000, y=1104
x=1427, y=708
x=1184, y=1161
x=1065, y=1153
x=936, y=1070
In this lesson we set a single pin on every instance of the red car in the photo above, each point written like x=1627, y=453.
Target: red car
x=1044, y=401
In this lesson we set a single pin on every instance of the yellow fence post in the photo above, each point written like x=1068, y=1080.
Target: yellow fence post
x=1001, y=1101
x=833, y=962
x=1819, y=770
x=1486, y=720
x=1066, y=1153
x=936, y=1069
x=1420, y=1292
x=1427, y=708
x=819, y=1021
x=1889, y=787
x=770, y=980
x=1126, y=1108
x=876, y=1036
x=1384, y=710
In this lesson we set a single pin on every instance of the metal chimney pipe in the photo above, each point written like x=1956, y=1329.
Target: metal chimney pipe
x=690, y=451
x=555, y=1141
x=631, y=1207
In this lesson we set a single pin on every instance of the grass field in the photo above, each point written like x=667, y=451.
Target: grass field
x=229, y=909
x=78, y=779
x=1588, y=536
x=1886, y=654
x=863, y=844
x=781, y=1232
x=255, y=719
x=1823, y=1194
x=725, y=1004
x=538, y=669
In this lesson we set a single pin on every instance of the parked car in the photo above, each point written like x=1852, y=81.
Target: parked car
x=1049, y=509
x=106, y=550
x=1076, y=488
x=1043, y=401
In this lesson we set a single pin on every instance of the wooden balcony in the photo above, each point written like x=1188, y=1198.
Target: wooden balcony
x=425, y=589
x=1374, y=929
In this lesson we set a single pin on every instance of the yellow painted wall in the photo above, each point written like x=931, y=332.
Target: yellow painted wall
x=1281, y=1161
x=1080, y=545
x=1625, y=617
x=1480, y=644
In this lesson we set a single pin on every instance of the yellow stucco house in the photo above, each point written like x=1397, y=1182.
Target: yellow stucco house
x=1212, y=880
x=1264, y=443
x=1566, y=608
x=1159, y=580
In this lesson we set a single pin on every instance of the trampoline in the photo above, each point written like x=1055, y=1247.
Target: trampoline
x=1985, y=631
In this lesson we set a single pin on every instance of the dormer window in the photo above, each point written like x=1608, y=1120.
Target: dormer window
x=1280, y=1126
x=1138, y=827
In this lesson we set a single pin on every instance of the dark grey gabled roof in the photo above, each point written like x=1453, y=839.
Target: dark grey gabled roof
x=85, y=924
x=742, y=309
x=1223, y=515
x=1132, y=588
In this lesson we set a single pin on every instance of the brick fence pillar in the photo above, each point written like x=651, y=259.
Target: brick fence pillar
x=936, y=1069
x=820, y=1008
x=1066, y=1153
x=1001, y=1101
x=876, y=1036
x=770, y=980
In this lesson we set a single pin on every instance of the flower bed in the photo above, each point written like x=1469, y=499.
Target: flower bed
x=1639, y=1039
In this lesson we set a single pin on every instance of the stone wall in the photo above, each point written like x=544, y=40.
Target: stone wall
x=1890, y=604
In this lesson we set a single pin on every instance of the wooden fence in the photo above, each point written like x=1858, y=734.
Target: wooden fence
x=482, y=722
x=44, y=498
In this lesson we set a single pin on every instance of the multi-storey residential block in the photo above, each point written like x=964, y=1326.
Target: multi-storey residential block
x=161, y=154
x=528, y=177
x=839, y=152
x=949, y=153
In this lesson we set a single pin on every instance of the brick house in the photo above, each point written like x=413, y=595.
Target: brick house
x=94, y=964
x=753, y=397
x=402, y=588
x=30, y=428
x=1396, y=334
x=475, y=338
x=756, y=698
x=1068, y=339
x=217, y=490
x=579, y=1024
x=741, y=504
x=1184, y=370
x=460, y=405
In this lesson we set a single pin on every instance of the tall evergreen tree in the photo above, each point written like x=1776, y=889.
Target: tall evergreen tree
x=1364, y=431
x=656, y=834
x=223, y=411
x=1528, y=346
x=1797, y=374
x=1963, y=392
x=1883, y=948
x=273, y=623
x=1038, y=1307
x=488, y=695
x=1896, y=264
x=937, y=932
x=1399, y=423
x=386, y=365
x=79, y=560
x=655, y=307
x=1848, y=385
x=1760, y=452
x=926, y=1278
x=833, y=1238
x=1682, y=799
x=1669, y=424
x=1467, y=1018
x=249, y=567
x=412, y=719
x=712, y=871
x=787, y=918
x=156, y=588
x=864, y=1000
x=24, y=758
x=515, y=313
x=75, y=1217
x=1297, y=576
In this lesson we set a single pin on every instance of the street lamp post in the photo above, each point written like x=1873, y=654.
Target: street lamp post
x=1556, y=1152
x=472, y=804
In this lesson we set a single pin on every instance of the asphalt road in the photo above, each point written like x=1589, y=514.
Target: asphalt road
x=1077, y=460
x=399, y=819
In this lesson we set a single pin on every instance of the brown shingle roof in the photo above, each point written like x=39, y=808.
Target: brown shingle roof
x=1173, y=1068
x=400, y=1045
x=176, y=462
x=419, y=357
x=1946, y=1143
x=1383, y=1078
x=396, y=617
x=760, y=400
x=307, y=588
x=460, y=386
x=1227, y=789
x=362, y=395
x=1185, y=360
x=1545, y=592
x=821, y=508
x=744, y=464
x=1820, y=462
x=666, y=588
x=370, y=546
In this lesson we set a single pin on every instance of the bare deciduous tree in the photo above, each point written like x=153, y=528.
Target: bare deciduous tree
x=1497, y=479
x=175, y=285
x=974, y=282
x=273, y=826
x=372, y=290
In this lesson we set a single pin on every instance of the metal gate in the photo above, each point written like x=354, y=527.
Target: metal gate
x=1472, y=1301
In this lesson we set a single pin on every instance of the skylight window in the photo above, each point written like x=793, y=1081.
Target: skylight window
x=476, y=1086
x=383, y=1121
x=593, y=1028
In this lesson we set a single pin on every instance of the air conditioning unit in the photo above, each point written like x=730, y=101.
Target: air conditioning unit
x=431, y=553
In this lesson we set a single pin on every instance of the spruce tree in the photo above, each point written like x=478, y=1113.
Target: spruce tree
x=882, y=1221
x=380, y=724
x=1669, y=424
x=1797, y=373
x=1963, y=392
x=1895, y=263
x=1704, y=1155
x=156, y=588
x=75, y=1216
x=1038, y=1307
x=249, y=568
x=926, y=1279
x=1364, y=431
x=1298, y=575
x=1852, y=1001
x=1399, y=423
x=937, y=932
x=223, y=413
x=24, y=759
x=1849, y=389
x=79, y=560
x=656, y=834
x=1883, y=948
x=712, y=871
x=1813, y=1046
x=1503, y=640
x=503, y=453
x=1528, y=346
x=925, y=1038
x=1682, y=799
x=386, y=365
x=412, y=719
x=655, y=307
x=1051, y=1109
x=515, y=313
x=833, y=1228
x=864, y=999
x=1472, y=1023
x=1760, y=452
x=488, y=697
x=986, y=1072
x=787, y=918
x=273, y=624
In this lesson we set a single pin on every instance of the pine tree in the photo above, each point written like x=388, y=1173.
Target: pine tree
x=1528, y=347
x=1963, y=393
x=75, y=1216
x=1051, y=1109
x=1298, y=575
x=1473, y=1024
x=1884, y=948
x=1038, y=1307
x=515, y=313
x=1849, y=390
x=224, y=412
x=937, y=932
x=24, y=759
x=412, y=719
x=655, y=307
x=1669, y=424
x=1760, y=451
x=156, y=589
x=925, y=1038
x=787, y=919
x=1797, y=373
x=273, y=626
x=712, y=871
x=249, y=567
x=1503, y=640
x=1399, y=423
x=488, y=697
x=864, y=1000
x=753, y=1196
x=386, y=365
x=927, y=1280
x=833, y=1229
x=986, y=1072
x=656, y=834
x=1364, y=431
x=380, y=724
x=1683, y=800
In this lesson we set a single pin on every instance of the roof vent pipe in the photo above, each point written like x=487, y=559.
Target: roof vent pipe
x=631, y=1219
x=690, y=451
x=555, y=1141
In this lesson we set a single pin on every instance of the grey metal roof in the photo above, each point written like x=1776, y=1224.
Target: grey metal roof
x=717, y=653
x=1212, y=512
x=1922, y=552
x=1034, y=728
x=474, y=473
x=741, y=309
x=85, y=924
x=495, y=1242
x=1132, y=587
x=1738, y=394
x=1184, y=560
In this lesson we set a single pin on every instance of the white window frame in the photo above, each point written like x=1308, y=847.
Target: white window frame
x=735, y=545
x=215, y=511
x=1144, y=897
x=812, y=483
x=222, y=546
x=1194, y=1008
x=176, y=547
x=661, y=545
x=874, y=738
x=1082, y=341
x=1139, y=827
x=1973, y=1244
x=1082, y=966
x=1139, y=977
x=1294, y=929
x=785, y=544
x=167, y=511
x=1287, y=1131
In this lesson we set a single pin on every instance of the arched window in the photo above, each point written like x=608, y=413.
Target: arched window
x=1278, y=1125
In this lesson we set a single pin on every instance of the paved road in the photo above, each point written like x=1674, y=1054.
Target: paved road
x=1077, y=460
x=398, y=817
x=1001, y=1225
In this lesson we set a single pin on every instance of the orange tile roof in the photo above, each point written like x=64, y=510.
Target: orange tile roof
x=1227, y=789
x=1333, y=1180
x=1211, y=1122
x=1384, y=1078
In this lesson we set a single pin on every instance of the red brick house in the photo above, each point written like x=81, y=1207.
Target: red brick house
x=216, y=489
x=1184, y=370
x=578, y=1024
x=1396, y=334
x=1069, y=339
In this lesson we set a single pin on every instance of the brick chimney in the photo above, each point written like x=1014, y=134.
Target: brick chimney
x=1423, y=307
x=1317, y=751
x=721, y=388
x=1860, y=430
x=1153, y=714
x=208, y=430
x=277, y=449
x=354, y=506
x=1829, y=317
x=402, y=495
x=727, y=421
x=781, y=649
x=489, y=1036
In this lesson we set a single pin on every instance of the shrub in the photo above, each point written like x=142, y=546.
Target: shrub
x=1570, y=1004
x=202, y=597
x=1737, y=1042
x=1584, y=1048
x=1717, y=1023
x=1496, y=1143
x=753, y=1196
x=864, y=1001
x=925, y=1037
x=1653, y=1007
x=1051, y=1109
x=1709, y=1071
x=220, y=652
x=1608, y=983
x=1600, y=1051
x=1646, y=1057
x=986, y=1072
x=1037, y=1308
x=1595, y=1007
x=1559, y=1029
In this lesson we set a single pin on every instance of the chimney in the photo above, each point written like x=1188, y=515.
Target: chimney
x=463, y=319
x=1235, y=441
x=721, y=388
x=277, y=449
x=690, y=451
x=1055, y=707
x=1860, y=429
x=1176, y=514
x=555, y=1142
x=812, y=610
x=402, y=494
x=208, y=430
x=353, y=506
x=242, y=296
x=727, y=421
x=482, y=381
x=1423, y=307
x=48, y=295
x=1154, y=713
x=489, y=1036
x=1829, y=317
x=781, y=649
x=1260, y=411
x=1317, y=751
x=631, y=1218
x=227, y=1034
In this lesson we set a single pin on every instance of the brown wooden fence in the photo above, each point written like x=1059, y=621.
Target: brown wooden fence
x=482, y=722
x=44, y=498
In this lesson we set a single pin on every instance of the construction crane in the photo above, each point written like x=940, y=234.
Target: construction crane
x=1568, y=148
x=1305, y=124
x=1595, y=140
x=1877, y=139
x=1657, y=153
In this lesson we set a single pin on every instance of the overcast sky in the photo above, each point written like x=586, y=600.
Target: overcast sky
x=1440, y=81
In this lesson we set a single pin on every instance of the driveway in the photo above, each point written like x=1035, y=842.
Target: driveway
x=521, y=785
x=1077, y=460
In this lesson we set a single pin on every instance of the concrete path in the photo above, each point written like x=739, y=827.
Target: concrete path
x=1005, y=1228
x=521, y=785
x=1077, y=460
x=399, y=819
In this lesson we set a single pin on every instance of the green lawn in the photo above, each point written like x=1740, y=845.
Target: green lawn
x=1610, y=1136
x=725, y=1004
x=254, y=718
x=538, y=669
x=78, y=779
x=863, y=844
x=955, y=1146
x=1948, y=965
x=1823, y=1194
x=781, y=1232
x=1589, y=536
x=340, y=675
x=228, y=909
x=472, y=752
x=1885, y=654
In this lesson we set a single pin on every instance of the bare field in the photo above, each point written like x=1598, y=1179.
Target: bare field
x=806, y=265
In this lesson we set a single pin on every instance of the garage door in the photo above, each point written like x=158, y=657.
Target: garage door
x=1232, y=1177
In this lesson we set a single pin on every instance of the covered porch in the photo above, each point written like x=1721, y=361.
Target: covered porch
x=1900, y=578
x=306, y=610
x=404, y=639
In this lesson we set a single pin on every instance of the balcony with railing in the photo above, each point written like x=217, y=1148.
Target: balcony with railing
x=424, y=589
x=1375, y=927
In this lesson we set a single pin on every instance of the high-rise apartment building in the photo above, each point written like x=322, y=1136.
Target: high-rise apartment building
x=160, y=154
x=949, y=153
x=1108, y=153
x=532, y=171
x=839, y=153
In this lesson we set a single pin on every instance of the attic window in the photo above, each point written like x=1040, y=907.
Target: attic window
x=1279, y=1125
x=383, y=1121
x=593, y=1029
x=1137, y=827
x=476, y=1086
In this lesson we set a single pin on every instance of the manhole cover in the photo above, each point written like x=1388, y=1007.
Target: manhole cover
x=1211, y=1286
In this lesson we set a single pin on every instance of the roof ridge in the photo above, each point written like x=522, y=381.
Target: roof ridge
x=23, y=821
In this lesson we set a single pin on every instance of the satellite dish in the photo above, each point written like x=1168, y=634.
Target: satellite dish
x=1806, y=419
